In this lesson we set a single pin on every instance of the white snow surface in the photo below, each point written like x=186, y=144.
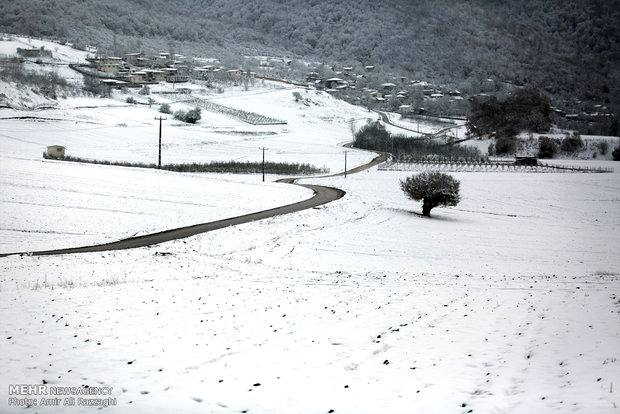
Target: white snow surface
x=22, y=97
x=54, y=204
x=508, y=302
x=60, y=53
x=45, y=199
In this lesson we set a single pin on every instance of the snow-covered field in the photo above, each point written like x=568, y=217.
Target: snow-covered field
x=113, y=130
x=53, y=204
x=507, y=303
x=44, y=199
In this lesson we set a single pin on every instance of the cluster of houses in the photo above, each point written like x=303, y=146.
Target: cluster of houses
x=134, y=69
x=597, y=113
x=399, y=88
x=220, y=73
x=139, y=69
x=347, y=81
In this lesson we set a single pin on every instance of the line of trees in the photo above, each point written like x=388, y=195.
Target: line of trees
x=232, y=167
x=373, y=136
x=526, y=109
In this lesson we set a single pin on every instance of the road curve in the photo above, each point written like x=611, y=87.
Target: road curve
x=386, y=119
x=322, y=195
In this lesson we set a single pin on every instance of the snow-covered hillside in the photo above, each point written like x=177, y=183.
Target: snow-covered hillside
x=111, y=129
x=60, y=53
x=505, y=303
x=22, y=97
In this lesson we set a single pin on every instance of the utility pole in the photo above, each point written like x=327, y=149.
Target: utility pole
x=263, y=166
x=161, y=118
x=345, y=164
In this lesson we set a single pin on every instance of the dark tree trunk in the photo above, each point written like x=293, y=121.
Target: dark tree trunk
x=426, y=208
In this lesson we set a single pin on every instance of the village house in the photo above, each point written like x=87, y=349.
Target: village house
x=113, y=83
x=154, y=75
x=137, y=77
x=312, y=76
x=132, y=58
x=526, y=157
x=332, y=83
x=34, y=52
x=108, y=64
x=234, y=74
x=176, y=74
x=55, y=151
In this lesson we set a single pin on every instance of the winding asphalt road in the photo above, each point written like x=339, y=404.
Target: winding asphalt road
x=322, y=195
x=386, y=119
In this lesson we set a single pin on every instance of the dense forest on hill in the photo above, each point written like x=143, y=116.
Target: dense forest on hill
x=569, y=48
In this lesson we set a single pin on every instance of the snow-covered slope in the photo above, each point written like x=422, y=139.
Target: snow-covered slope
x=506, y=303
x=60, y=53
x=22, y=97
x=81, y=198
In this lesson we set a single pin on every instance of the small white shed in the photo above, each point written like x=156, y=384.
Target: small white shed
x=55, y=151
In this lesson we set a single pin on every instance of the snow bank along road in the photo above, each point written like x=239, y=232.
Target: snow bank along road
x=322, y=195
